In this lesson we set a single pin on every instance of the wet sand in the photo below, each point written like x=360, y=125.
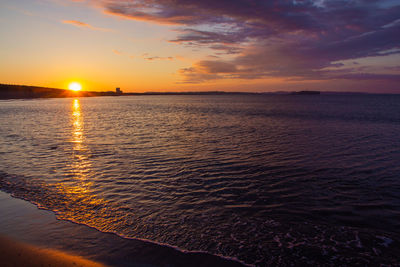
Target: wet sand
x=13, y=253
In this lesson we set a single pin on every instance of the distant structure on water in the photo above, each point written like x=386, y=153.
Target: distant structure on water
x=118, y=91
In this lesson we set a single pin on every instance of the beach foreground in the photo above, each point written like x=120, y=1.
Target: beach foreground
x=13, y=253
x=34, y=237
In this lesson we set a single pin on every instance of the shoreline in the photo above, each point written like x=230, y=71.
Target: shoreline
x=36, y=231
x=15, y=253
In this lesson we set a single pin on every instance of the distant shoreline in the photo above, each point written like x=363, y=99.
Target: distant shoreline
x=9, y=91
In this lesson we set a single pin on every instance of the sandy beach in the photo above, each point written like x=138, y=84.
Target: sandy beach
x=14, y=253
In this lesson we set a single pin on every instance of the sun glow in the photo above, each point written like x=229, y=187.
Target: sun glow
x=75, y=86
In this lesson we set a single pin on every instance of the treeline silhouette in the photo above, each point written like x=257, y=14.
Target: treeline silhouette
x=12, y=91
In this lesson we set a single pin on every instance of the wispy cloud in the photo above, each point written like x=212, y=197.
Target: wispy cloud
x=117, y=52
x=147, y=56
x=81, y=24
x=158, y=58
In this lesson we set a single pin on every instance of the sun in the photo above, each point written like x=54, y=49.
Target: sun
x=75, y=86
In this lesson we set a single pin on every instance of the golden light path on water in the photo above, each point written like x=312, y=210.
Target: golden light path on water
x=78, y=192
x=81, y=164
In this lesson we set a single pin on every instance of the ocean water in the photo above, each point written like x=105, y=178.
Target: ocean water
x=274, y=179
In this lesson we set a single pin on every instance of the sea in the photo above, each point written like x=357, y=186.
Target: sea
x=261, y=179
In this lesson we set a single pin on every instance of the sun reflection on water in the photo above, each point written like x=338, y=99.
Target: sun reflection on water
x=77, y=122
x=78, y=192
x=81, y=165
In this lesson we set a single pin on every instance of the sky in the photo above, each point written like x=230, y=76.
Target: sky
x=202, y=45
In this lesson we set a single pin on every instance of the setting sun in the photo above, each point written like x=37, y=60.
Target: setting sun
x=75, y=86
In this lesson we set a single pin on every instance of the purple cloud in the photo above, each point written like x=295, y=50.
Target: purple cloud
x=298, y=39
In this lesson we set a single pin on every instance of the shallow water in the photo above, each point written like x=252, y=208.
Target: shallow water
x=265, y=179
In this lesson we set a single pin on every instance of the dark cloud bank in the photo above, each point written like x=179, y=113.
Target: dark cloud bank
x=296, y=40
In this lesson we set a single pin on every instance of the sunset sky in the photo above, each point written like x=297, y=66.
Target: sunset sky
x=197, y=45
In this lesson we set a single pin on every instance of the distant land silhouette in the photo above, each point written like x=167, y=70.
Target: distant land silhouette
x=306, y=93
x=10, y=91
